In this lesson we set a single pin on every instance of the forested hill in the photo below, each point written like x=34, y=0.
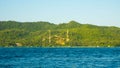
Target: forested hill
x=45, y=34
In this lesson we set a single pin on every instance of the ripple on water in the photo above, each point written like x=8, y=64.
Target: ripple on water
x=60, y=58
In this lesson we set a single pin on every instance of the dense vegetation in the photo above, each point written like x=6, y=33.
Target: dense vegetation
x=45, y=34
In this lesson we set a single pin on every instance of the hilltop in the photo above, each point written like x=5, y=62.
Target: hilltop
x=45, y=34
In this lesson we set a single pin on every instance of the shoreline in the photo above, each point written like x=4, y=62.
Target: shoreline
x=58, y=47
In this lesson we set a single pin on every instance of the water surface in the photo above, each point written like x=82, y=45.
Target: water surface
x=59, y=57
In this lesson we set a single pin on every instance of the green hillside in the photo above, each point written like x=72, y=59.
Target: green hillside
x=45, y=34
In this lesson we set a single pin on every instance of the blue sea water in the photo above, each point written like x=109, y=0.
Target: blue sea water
x=59, y=57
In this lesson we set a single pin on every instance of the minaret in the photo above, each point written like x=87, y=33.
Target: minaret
x=49, y=36
x=67, y=36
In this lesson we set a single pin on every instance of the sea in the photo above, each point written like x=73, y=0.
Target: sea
x=59, y=57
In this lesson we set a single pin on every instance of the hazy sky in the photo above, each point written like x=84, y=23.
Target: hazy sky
x=98, y=12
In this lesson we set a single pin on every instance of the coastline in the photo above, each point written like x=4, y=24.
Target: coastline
x=58, y=47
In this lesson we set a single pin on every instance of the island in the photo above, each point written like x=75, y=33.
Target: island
x=45, y=34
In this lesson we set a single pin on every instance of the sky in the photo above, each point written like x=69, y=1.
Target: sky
x=97, y=12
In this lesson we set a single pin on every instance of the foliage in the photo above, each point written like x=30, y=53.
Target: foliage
x=45, y=34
